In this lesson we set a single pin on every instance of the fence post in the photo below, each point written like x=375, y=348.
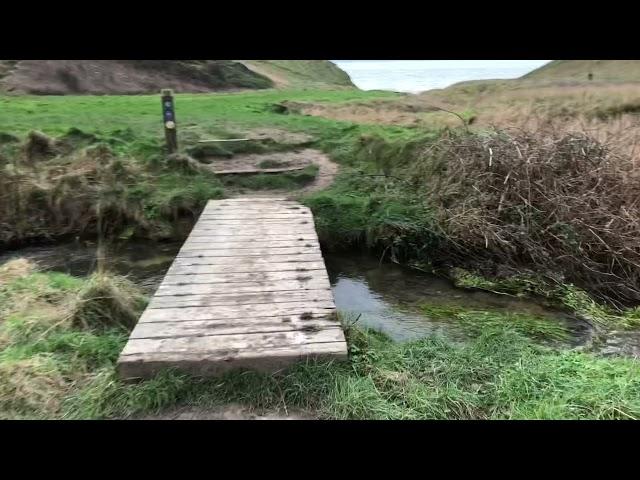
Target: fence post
x=169, y=117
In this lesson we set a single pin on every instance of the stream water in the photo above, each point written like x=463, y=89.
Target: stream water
x=385, y=297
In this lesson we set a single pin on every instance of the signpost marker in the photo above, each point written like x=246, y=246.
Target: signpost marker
x=169, y=117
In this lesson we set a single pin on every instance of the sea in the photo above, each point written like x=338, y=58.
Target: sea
x=415, y=76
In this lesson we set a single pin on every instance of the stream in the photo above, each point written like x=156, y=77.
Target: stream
x=385, y=297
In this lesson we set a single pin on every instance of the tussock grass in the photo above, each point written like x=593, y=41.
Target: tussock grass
x=64, y=369
x=75, y=191
x=57, y=332
x=106, y=301
x=477, y=321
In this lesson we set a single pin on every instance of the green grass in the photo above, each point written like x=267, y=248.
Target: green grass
x=478, y=321
x=52, y=367
x=565, y=295
x=141, y=191
x=367, y=205
x=577, y=70
x=140, y=115
x=305, y=72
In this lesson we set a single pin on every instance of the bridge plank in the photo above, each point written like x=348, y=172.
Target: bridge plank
x=248, y=289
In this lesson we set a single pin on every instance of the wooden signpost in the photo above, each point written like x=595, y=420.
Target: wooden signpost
x=169, y=117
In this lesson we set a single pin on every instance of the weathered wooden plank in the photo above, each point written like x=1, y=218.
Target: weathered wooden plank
x=202, y=328
x=291, y=207
x=223, y=140
x=280, y=213
x=311, y=317
x=263, y=222
x=247, y=207
x=214, y=236
x=256, y=231
x=238, y=245
x=227, y=278
x=275, y=227
x=253, y=200
x=212, y=343
x=246, y=171
x=244, y=268
x=258, y=216
x=232, y=251
x=249, y=287
x=304, y=299
x=310, y=257
x=146, y=365
x=235, y=313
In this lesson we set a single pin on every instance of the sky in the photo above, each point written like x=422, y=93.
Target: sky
x=420, y=75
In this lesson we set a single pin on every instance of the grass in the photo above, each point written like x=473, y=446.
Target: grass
x=304, y=72
x=117, y=161
x=53, y=367
x=578, y=70
x=203, y=114
x=61, y=336
x=476, y=322
x=368, y=204
x=607, y=107
x=558, y=294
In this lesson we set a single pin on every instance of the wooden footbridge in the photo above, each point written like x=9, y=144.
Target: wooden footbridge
x=248, y=289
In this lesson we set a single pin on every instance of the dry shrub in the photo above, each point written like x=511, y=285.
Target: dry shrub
x=32, y=385
x=553, y=201
x=183, y=163
x=107, y=301
x=19, y=267
x=55, y=200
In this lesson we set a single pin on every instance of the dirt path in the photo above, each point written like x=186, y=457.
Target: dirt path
x=327, y=171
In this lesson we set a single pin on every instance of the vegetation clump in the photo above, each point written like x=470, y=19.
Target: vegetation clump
x=107, y=301
x=557, y=203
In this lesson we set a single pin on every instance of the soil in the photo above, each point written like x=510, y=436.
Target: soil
x=327, y=169
x=250, y=162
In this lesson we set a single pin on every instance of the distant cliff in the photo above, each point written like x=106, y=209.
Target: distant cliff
x=67, y=77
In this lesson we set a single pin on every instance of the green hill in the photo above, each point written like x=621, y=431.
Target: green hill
x=301, y=73
x=578, y=70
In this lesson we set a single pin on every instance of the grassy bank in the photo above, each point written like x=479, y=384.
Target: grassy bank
x=411, y=193
x=57, y=177
x=559, y=206
x=61, y=337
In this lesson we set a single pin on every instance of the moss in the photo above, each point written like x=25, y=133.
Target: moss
x=477, y=321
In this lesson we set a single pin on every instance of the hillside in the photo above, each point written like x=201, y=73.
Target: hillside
x=62, y=77
x=578, y=70
x=301, y=73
